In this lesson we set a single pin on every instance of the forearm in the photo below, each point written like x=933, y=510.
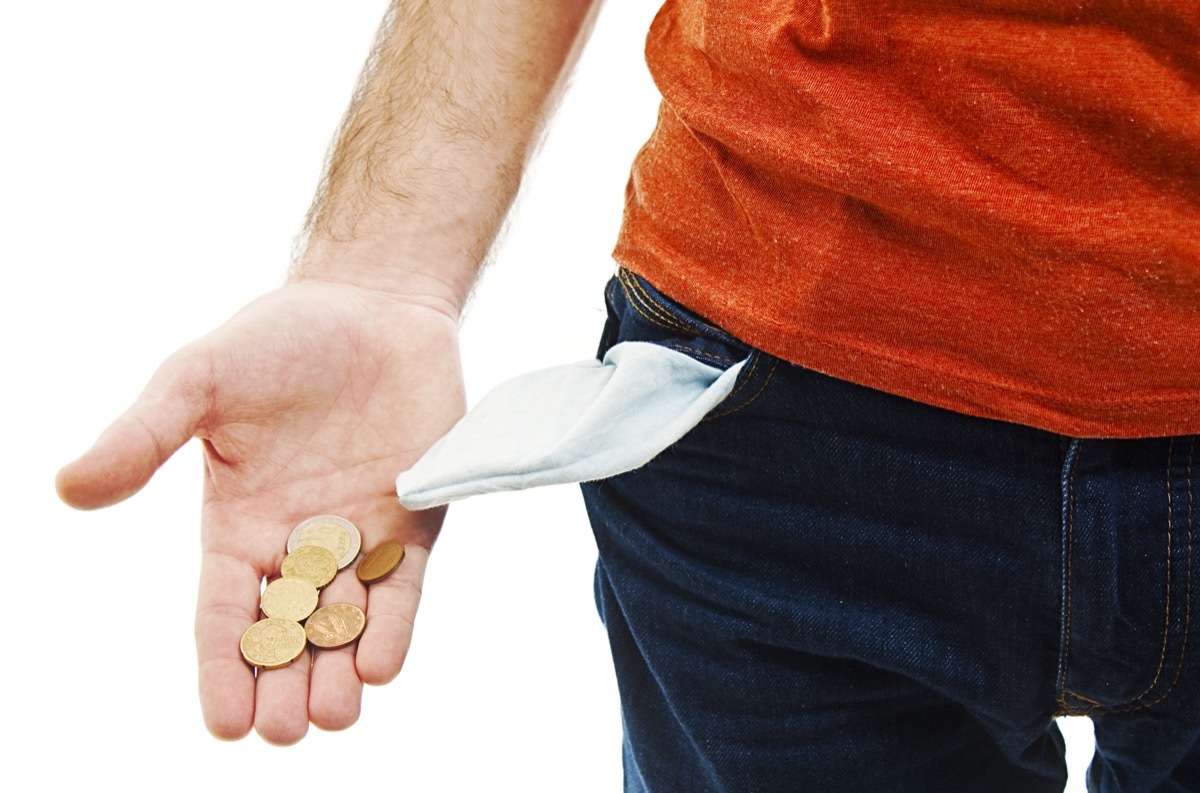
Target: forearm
x=431, y=150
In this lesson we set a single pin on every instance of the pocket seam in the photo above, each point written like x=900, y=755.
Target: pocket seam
x=656, y=313
x=717, y=413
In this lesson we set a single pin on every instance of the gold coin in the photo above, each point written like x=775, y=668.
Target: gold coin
x=273, y=643
x=313, y=563
x=289, y=599
x=335, y=625
x=379, y=562
x=338, y=535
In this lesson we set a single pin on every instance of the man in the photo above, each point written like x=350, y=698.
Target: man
x=978, y=223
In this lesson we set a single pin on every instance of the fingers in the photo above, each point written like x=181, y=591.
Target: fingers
x=233, y=698
x=322, y=687
x=335, y=699
x=335, y=696
x=128, y=453
x=391, y=608
x=227, y=605
x=281, y=707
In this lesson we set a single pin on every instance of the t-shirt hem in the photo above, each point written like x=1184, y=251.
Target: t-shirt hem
x=1132, y=416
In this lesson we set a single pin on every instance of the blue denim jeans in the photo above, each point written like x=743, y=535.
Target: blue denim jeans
x=827, y=588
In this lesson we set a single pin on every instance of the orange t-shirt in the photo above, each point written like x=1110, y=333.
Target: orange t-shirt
x=992, y=206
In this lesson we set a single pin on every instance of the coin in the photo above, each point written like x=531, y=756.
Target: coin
x=273, y=643
x=313, y=563
x=289, y=599
x=335, y=625
x=379, y=562
x=329, y=531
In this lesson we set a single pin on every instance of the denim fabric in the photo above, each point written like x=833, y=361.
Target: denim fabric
x=823, y=587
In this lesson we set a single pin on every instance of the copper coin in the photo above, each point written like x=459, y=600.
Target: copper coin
x=380, y=562
x=335, y=625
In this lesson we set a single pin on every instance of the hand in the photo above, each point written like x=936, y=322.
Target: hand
x=309, y=401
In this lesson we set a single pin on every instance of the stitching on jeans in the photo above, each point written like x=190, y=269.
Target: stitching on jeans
x=1167, y=606
x=1140, y=702
x=662, y=317
x=659, y=315
x=634, y=303
x=1187, y=619
x=766, y=380
x=1167, y=609
x=1133, y=704
x=692, y=351
x=1076, y=710
x=648, y=310
x=1070, y=549
x=654, y=306
x=1187, y=607
x=651, y=301
x=743, y=384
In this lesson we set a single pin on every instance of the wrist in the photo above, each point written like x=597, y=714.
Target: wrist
x=413, y=269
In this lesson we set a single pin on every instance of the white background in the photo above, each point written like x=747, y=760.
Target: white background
x=158, y=159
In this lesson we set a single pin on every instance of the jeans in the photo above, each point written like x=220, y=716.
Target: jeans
x=823, y=587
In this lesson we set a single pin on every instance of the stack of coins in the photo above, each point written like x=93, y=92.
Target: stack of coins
x=317, y=549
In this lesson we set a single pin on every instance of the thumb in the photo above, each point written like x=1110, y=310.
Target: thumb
x=127, y=454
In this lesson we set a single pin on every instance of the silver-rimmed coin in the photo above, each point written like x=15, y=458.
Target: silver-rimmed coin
x=337, y=535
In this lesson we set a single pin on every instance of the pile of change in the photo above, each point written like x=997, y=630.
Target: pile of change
x=317, y=549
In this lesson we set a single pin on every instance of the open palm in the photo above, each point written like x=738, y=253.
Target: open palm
x=309, y=401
